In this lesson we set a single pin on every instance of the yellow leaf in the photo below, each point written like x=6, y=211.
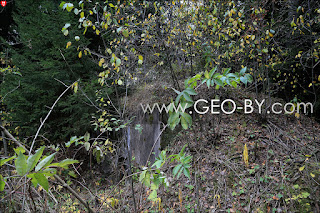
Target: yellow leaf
x=319, y=78
x=180, y=197
x=218, y=198
x=140, y=61
x=68, y=44
x=297, y=115
x=245, y=155
x=310, y=84
x=101, y=62
x=301, y=168
x=312, y=175
x=80, y=54
x=206, y=75
x=114, y=202
x=75, y=87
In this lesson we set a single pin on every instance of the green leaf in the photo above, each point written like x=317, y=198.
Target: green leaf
x=19, y=149
x=232, y=75
x=86, y=136
x=189, y=186
x=244, y=80
x=86, y=146
x=118, y=62
x=146, y=181
x=155, y=185
x=280, y=195
x=212, y=71
x=218, y=82
x=187, y=160
x=64, y=163
x=119, y=29
x=191, y=91
x=3, y=161
x=187, y=97
x=176, y=169
x=21, y=164
x=265, y=50
x=72, y=174
x=44, y=162
x=157, y=164
x=68, y=144
x=69, y=6
x=65, y=32
x=145, y=178
x=228, y=81
x=249, y=78
x=208, y=83
x=178, y=98
x=186, y=172
x=142, y=175
x=140, y=61
x=62, y=4
x=179, y=173
x=223, y=79
x=49, y=171
x=186, y=105
x=187, y=117
x=153, y=195
x=42, y=180
x=206, y=75
x=34, y=182
x=226, y=71
x=33, y=159
x=125, y=33
x=305, y=194
x=243, y=71
x=2, y=183
x=173, y=120
x=176, y=91
x=184, y=123
x=182, y=150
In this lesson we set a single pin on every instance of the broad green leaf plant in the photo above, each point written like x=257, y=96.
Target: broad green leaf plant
x=37, y=167
x=212, y=78
x=154, y=177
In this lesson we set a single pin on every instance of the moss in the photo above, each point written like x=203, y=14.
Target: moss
x=168, y=136
x=150, y=119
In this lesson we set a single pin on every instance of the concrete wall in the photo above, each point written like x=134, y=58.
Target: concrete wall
x=141, y=144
